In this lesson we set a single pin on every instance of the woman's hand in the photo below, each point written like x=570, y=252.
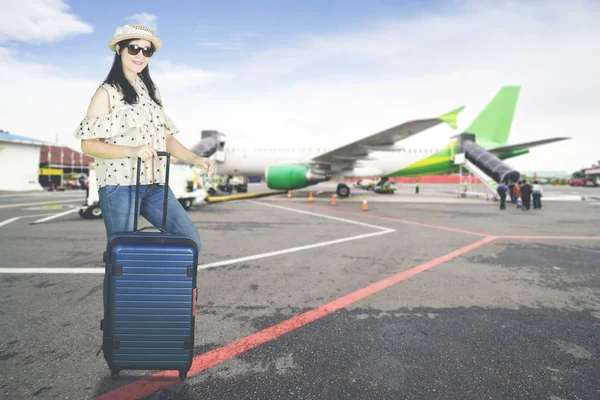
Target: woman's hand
x=144, y=152
x=205, y=164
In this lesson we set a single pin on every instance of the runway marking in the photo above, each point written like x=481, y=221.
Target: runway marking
x=381, y=231
x=53, y=216
x=8, y=221
x=569, y=246
x=404, y=221
x=320, y=215
x=293, y=249
x=35, y=216
x=550, y=237
x=146, y=386
x=33, y=270
x=38, y=203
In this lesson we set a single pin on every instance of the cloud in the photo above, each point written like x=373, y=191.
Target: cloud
x=220, y=45
x=182, y=77
x=356, y=83
x=145, y=19
x=58, y=98
x=35, y=21
x=226, y=40
x=339, y=87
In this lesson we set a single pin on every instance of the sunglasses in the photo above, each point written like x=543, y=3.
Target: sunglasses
x=134, y=50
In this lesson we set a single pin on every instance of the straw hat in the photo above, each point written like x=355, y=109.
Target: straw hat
x=134, y=31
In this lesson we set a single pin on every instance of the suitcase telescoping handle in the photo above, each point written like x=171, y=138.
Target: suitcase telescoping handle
x=137, y=191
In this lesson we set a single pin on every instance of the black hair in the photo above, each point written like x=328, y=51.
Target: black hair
x=117, y=79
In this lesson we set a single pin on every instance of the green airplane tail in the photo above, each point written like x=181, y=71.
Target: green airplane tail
x=492, y=125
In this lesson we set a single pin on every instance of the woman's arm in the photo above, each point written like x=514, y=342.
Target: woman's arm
x=180, y=152
x=99, y=107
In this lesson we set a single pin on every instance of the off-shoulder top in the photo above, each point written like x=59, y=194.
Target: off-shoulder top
x=144, y=123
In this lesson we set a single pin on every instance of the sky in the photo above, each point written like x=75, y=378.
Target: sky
x=314, y=71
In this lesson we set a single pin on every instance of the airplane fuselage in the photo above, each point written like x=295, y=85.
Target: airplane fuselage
x=253, y=159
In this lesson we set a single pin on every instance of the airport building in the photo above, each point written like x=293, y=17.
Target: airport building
x=19, y=159
x=62, y=166
x=35, y=164
x=593, y=171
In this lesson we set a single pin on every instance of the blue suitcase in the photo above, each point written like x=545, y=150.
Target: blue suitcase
x=149, y=297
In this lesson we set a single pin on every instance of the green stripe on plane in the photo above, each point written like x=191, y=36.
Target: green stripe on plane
x=438, y=163
x=451, y=117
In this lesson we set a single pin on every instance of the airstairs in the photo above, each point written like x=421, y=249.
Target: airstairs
x=488, y=168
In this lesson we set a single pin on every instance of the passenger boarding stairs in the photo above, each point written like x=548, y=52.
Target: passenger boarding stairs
x=488, y=182
x=488, y=168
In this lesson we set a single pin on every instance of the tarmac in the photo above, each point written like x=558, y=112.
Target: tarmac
x=427, y=296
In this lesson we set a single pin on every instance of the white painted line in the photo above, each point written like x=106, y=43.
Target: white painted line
x=200, y=266
x=35, y=216
x=292, y=250
x=53, y=216
x=40, y=193
x=8, y=221
x=321, y=215
x=51, y=270
x=382, y=231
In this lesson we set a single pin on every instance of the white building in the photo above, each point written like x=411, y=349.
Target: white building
x=19, y=162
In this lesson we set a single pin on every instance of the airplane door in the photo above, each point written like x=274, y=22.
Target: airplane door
x=220, y=153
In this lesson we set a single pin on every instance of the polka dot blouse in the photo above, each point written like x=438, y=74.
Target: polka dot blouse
x=144, y=123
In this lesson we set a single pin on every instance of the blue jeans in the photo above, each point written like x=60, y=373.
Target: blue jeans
x=118, y=206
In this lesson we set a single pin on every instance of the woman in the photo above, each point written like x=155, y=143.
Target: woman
x=126, y=121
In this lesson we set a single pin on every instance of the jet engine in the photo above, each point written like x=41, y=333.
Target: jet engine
x=291, y=177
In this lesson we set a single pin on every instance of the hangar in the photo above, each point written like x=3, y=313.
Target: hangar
x=21, y=156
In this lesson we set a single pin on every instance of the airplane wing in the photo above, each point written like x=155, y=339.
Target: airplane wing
x=360, y=149
x=528, y=145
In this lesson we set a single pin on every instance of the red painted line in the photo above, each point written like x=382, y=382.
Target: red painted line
x=404, y=221
x=570, y=247
x=161, y=380
x=550, y=237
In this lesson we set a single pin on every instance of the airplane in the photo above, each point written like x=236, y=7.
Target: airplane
x=290, y=167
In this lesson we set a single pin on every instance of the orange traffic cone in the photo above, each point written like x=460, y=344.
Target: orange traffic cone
x=333, y=201
x=310, y=197
x=365, y=206
x=289, y=194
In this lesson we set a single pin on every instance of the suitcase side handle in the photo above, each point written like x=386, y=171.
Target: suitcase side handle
x=137, y=192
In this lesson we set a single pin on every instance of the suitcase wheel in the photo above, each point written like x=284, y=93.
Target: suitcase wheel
x=182, y=375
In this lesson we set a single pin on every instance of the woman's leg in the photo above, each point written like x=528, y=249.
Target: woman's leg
x=178, y=220
x=118, y=206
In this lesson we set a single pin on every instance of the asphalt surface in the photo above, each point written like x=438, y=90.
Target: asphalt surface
x=515, y=314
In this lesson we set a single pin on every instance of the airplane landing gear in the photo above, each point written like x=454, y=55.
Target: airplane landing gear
x=343, y=190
